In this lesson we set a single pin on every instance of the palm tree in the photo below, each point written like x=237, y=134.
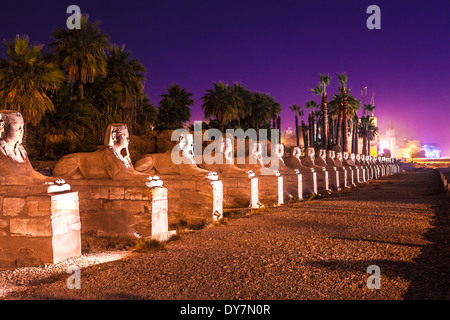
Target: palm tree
x=220, y=103
x=343, y=82
x=295, y=108
x=128, y=74
x=263, y=109
x=321, y=90
x=26, y=79
x=81, y=52
x=147, y=117
x=311, y=105
x=242, y=101
x=368, y=131
x=335, y=107
x=174, y=109
x=69, y=129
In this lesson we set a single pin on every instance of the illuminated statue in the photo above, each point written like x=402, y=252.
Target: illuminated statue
x=253, y=161
x=227, y=166
x=178, y=161
x=14, y=163
x=112, y=161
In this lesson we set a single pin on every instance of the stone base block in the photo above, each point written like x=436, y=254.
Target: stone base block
x=38, y=228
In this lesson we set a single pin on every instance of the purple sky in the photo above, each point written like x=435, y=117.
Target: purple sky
x=278, y=47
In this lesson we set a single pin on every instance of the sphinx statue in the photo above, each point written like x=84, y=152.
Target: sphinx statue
x=15, y=166
x=321, y=158
x=309, y=174
x=293, y=161
x=254, y=161
x=112, y=161
x=351, y=167
x=309, y=160
x=279, y=159
x=226, y=165
x=163, y=163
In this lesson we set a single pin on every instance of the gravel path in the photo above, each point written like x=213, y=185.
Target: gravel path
x=316, y=249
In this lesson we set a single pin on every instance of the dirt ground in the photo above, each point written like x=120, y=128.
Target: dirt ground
x=318, y=249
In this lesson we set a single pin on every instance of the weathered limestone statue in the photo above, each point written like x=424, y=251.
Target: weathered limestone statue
x=227, y=165
x=15, y=167
x=309, y=174
x=293, y=161
x=240, y=185
x=292, y=183
x=39, y=214
x=340, y=167
x=309, y=161
x=162, y=163
x=112, y=161
x=253, y=161
x=350, y=166
x=271, y=187
x=330, y=160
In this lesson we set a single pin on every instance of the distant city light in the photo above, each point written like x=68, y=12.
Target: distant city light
x=431, y=151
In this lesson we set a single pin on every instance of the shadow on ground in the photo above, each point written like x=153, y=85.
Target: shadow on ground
x=429, y=273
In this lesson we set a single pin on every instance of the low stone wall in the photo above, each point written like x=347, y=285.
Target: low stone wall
x=114, y=208
x=37, y=228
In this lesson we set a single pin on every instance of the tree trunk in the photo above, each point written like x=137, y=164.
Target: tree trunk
x=296, y=130
x=279, y=129
x=311, y=130
x=305, y=135
x=364, y=150
x=344, y=121
x=368, y=147
x=80, y=90
x=339, y=127
x=325, y=120
x=355, y=135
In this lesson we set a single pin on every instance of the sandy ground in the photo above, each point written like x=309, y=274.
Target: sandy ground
x=317, y=249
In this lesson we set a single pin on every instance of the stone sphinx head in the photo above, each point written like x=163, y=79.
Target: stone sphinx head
x=322, y=153
x=352, y=157
x=345, y=155
x=11, y=127
x=186, y=145
x=11, y=135
x=117, y=138
x=311, y=153
x=256, y=149
x=227, y=149
x=278, y=150
x=359, y=157
x=339, y=156
x=296, y=152
x=331, y=154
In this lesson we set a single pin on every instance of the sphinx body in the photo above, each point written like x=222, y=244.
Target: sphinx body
x=112, y=161
x=226, y=165
x=163, y=163
x=293, y=161
x=254, y=161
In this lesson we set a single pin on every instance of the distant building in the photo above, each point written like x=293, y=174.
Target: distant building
x=387, y=141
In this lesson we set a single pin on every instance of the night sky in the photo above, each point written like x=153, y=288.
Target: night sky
x=277, y=47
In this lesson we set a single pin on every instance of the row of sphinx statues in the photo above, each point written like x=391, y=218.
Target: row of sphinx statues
x=113, y=160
